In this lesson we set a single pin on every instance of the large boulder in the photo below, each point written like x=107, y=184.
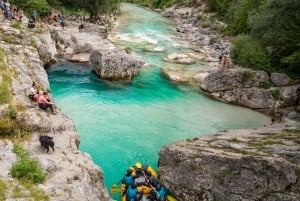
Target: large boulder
x=248, y=165
x=46, y=47
x=280, y=79
x=115, y=65
x=230, y=79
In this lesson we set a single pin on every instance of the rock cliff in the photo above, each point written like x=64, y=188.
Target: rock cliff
x=249, y=165
x=72, y=175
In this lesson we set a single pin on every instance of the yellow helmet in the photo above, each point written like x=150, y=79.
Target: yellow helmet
x=138, y=165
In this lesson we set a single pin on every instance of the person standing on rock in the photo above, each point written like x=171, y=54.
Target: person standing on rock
x=224, y=61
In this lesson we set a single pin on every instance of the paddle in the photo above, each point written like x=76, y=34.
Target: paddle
x=153, y=188
x=114, y=188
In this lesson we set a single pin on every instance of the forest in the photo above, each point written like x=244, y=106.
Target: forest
x=92, y=7
x=266, y=33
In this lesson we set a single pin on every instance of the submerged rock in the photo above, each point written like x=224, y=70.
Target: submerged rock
x=174, y=75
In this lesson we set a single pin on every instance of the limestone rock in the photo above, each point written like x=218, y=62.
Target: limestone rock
x=184, y=58
x=72, y=175
x=115, y=65
x=230, y=79
x=234, y=165
x=280, y=79
x=199, y=77
x=174, y=75
x=46, y=47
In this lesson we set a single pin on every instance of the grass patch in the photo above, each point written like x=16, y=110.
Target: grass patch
x=16, y=25
x=267, y=84
x=266, y=142
x=247, y=76
x=5, y=81
x=223, y=175
x=33, y=43
x=235, y=140
x=289, y=134
x=26, y=169
x=6, y=126
x=20, y=106
x=3, y=189
x=275, y=93
x=192, y=140
x=7, y=39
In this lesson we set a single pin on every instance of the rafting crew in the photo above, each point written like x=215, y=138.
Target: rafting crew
x=139, y=170
x=140, y=183
x=132, y=193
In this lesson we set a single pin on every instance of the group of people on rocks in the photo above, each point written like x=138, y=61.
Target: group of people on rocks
x=57, y=18
x=41, y=97
x=139, y=175
x=11, y=11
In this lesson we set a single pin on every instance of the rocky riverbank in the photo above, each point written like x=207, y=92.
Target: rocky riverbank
x=71, y=174
x=249, y=165
x=255, y=164
x=273, y=94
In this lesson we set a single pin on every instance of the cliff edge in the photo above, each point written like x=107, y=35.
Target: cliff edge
x=255, y=164
x=71, y=174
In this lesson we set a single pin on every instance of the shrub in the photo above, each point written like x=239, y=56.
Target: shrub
x=12, y=112
x=6, y=126
x=275, y=93
x=219, y=6
x=249, y=53
x=26, y=169
x=267, y=84
x=247, y=76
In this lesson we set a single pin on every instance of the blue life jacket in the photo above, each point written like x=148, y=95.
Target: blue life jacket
x=128, y=180
x=131, y=193
x=162, y=192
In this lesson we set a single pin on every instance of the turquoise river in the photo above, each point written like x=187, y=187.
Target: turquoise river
x=120, y=123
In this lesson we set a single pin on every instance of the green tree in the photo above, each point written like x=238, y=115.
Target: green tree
x=276, y=25
x=248, y=52
x=240, y=15
x=41, y=6
x=219, y=6
x=94, y=7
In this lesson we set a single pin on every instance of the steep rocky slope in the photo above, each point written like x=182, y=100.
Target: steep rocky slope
x=72, y=175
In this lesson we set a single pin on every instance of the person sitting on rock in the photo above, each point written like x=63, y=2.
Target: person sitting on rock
x=32, y=92
x=31, y=23
x=45, y=103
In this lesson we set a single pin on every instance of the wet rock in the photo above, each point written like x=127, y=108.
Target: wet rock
x=174, y=75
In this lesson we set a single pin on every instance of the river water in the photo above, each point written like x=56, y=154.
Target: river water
x=120, y=123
